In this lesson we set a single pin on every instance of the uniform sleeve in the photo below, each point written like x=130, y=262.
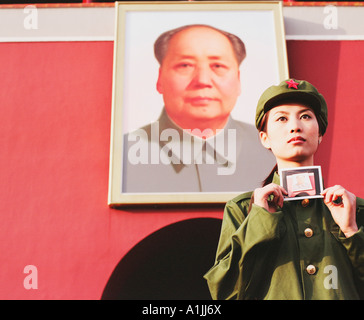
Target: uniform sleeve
x=354, y=246
x=247, y=244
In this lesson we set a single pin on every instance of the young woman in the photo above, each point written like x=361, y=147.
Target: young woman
x=275, y=249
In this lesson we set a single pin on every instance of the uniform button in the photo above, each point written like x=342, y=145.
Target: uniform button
x=311, y=269
x=308, y=232
x=305, y=203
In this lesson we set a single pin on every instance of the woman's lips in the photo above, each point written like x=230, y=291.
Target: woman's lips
x=296, y=140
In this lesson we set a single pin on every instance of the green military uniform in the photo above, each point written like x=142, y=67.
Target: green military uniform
x=297, y=252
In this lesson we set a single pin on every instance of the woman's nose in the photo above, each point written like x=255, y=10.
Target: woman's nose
x=295, y=126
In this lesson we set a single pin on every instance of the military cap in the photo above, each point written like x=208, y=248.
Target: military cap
x=292, y=90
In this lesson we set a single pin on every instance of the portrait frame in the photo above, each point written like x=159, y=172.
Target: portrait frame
x=302, y=183
x=127, y=109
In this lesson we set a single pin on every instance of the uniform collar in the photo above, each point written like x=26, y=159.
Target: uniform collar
x=276, y=178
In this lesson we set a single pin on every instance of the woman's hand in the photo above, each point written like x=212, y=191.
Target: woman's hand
x=262, y=197
x=342, y=205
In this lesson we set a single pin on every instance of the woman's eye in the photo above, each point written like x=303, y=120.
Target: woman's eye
x=306, y=116
x=282, y=119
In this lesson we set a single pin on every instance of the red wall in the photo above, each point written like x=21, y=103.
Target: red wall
x=55, y=130
x=336, y=68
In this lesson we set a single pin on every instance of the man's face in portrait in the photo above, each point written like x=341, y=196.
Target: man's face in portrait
x=199, y=78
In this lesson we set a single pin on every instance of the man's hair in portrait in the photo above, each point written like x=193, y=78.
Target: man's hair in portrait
x=161, y=44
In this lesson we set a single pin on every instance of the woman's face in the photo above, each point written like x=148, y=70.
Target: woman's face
x=292, y=133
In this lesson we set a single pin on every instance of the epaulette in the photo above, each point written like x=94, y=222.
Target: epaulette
x=243, y=196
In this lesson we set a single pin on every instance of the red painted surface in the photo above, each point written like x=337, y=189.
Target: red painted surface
x=54, y=136
x=336, y=69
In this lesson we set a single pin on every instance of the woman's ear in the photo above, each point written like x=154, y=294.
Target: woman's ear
x=320, y=139
x=264, y=140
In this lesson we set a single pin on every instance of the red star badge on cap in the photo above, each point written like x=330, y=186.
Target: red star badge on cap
x=292, y=84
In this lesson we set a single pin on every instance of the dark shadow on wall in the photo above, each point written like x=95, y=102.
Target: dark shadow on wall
x=169, y=264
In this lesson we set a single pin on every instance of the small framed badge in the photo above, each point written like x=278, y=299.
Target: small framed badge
x=302, y=182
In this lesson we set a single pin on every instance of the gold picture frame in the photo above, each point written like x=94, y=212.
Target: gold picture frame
x=136, y=103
